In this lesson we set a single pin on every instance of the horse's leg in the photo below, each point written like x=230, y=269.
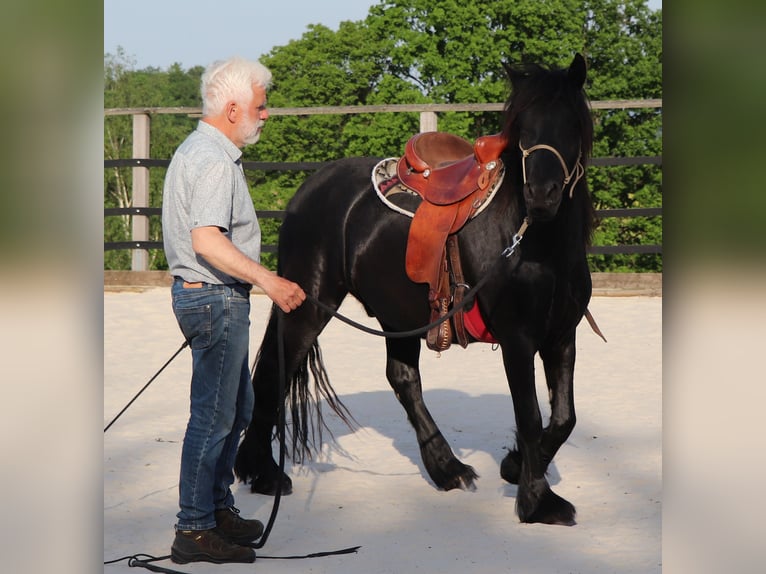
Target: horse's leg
x=403, y=374
x=535, y=501
x=255, y=459
x=558, y=364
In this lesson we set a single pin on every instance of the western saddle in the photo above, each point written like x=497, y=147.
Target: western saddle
x=454, y=178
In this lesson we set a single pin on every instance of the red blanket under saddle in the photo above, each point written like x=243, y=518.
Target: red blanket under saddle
x=474, y=323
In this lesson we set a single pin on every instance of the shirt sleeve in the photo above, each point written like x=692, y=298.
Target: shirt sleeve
x=211, y=196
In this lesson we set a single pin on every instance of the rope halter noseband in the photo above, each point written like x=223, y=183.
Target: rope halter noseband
x=577, y=172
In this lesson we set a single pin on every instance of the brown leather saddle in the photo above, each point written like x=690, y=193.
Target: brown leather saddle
x=454, y=178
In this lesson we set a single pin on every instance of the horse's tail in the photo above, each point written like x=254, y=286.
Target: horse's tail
x=305, y=406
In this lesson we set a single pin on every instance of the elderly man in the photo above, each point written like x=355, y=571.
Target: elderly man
x=212, y=242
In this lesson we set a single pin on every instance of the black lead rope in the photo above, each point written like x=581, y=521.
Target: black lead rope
x=281, y=424
x=505, y=255
x=280, y=428
x=146, y=560
x=185, y=344
x=467, y=299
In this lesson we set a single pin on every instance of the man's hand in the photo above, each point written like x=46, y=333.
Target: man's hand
x=286, y=294
x=211, y=244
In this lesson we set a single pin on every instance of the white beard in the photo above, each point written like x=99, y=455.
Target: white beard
x=252, y=131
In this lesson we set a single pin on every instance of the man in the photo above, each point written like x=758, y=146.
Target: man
x=212, y=242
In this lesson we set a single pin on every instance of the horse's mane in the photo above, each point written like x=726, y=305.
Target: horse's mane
x=533, y=84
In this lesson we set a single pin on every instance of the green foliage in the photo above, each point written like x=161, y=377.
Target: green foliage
x=624, y=49
x=126, y=88
x=423, y=51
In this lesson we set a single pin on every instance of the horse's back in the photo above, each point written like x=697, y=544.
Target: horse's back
x=333, y=187
x=323, y=200
x=313, y=232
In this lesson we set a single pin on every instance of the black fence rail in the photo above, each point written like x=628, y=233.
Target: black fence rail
x=272, y=247
x=140, y=244
x=309, y=166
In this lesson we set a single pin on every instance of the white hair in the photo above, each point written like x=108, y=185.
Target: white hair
x=231, y=80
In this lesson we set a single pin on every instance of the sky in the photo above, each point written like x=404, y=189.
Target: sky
x=159, y=33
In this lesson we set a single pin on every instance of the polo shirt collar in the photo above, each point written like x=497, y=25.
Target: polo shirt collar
x=217, y=135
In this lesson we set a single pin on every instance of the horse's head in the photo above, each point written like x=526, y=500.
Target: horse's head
x=549, y=127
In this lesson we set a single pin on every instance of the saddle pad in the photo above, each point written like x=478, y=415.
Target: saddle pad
x=475, y=325
x=391, y=191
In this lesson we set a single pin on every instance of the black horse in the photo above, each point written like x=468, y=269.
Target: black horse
x=339, y=238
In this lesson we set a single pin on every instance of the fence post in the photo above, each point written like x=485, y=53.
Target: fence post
x=140, y=223
x=428, y=122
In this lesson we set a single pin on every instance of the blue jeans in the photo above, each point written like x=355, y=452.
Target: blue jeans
x=215, y=320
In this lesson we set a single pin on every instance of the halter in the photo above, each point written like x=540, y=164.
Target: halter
x=578, y=171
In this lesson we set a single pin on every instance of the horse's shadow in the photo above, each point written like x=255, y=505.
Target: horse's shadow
x=483, y=423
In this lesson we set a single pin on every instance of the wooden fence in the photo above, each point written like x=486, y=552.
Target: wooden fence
x=141, y=164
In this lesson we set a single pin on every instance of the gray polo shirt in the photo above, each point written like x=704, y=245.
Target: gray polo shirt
x=205, y=186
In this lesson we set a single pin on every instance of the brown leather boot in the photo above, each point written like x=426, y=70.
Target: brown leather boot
x=236, y=529
x=207, y=546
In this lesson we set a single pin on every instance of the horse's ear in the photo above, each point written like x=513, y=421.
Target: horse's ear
x=511, y=72
x=577, y=71
x=517, y=73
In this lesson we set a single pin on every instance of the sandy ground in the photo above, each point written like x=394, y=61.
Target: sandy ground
x=370, y=488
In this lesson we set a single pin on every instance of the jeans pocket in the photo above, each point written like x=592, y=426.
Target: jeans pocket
x=196, y=324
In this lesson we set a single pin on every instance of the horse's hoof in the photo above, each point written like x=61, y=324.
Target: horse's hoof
x=551, y=509
x=468, y=484
x=269, y=485
x=463, y=478
x=510, y=467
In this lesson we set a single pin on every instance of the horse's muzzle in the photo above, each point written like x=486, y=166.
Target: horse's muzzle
x=542, y=200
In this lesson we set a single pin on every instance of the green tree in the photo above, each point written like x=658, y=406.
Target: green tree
x=125, y=87
x=448, y=52
x=624, y=47
x=117, y=144
x=443, y=51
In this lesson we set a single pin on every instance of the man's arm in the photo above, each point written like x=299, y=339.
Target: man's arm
x=211, y=244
